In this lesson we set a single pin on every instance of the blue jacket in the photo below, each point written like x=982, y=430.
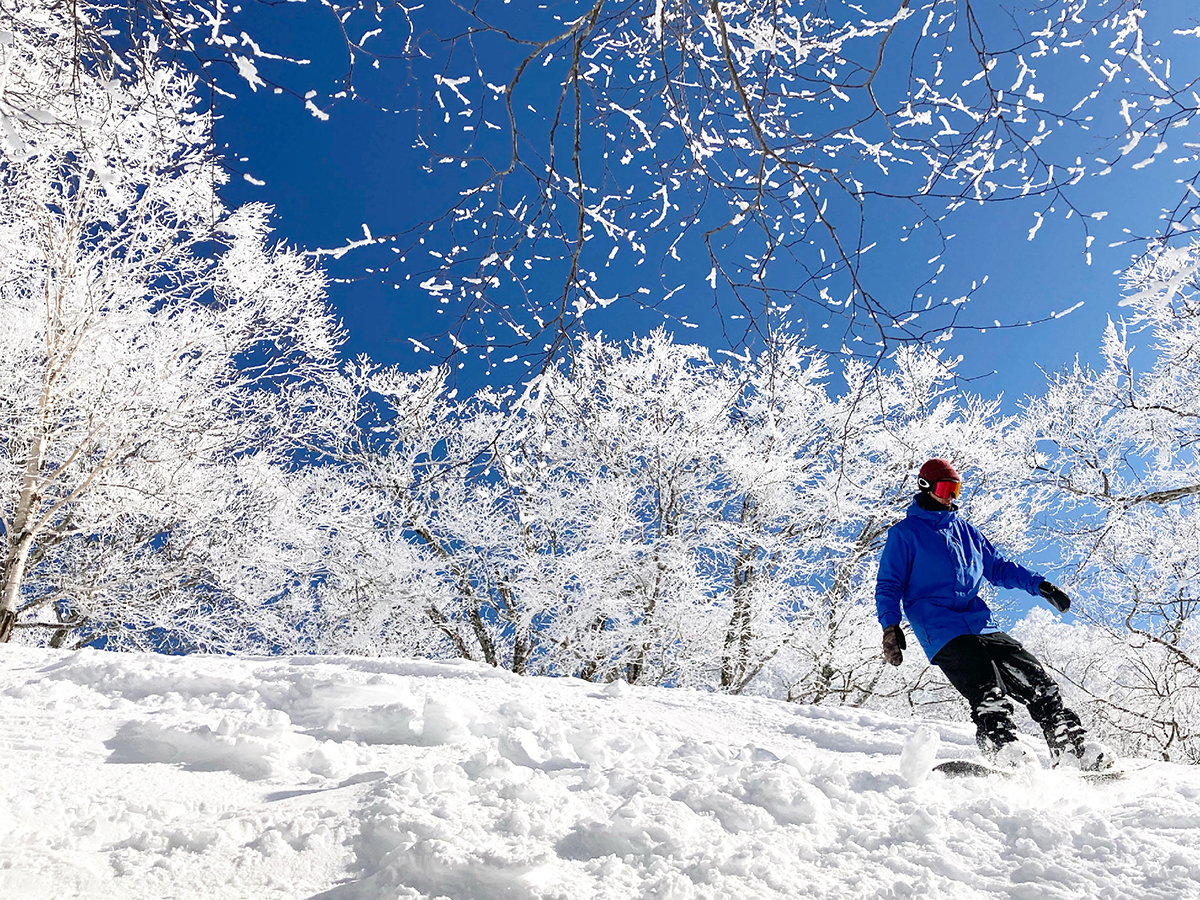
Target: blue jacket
x=932, y=567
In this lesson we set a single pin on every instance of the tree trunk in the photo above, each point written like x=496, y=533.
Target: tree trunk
x=737, y=644
x=14, y=573
x=20, y=537
x=735, y=659
x=20, y=542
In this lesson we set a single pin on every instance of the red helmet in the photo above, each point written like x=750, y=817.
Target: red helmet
x=939, y=478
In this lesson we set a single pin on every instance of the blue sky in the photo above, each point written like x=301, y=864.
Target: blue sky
x=326, y=178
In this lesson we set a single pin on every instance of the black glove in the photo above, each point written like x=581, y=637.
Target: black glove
x=1056, y=596
x=894, y=645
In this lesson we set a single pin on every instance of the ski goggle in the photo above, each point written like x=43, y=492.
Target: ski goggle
x=943, y=490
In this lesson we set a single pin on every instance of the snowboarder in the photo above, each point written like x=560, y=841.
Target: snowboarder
x=932, y=567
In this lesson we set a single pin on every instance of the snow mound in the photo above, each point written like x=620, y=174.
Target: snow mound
x=353, y=779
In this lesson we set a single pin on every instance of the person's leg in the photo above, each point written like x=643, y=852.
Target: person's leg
x=969, y=667
x=1026, y=679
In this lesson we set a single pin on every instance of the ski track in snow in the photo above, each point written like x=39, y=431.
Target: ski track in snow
x=144, y=776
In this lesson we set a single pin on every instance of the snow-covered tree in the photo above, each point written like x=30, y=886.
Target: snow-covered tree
x=1118, y=465
x=151, y=343
x=554, y=534
x=398, y=454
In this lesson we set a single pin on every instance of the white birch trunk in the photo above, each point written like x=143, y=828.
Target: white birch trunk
x=14, y=573
x=20, y=538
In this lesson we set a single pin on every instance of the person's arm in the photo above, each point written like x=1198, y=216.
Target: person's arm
x=895, y=564
x=1005, y=573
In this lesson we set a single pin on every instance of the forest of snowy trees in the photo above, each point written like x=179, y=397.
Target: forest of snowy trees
x=189, y=463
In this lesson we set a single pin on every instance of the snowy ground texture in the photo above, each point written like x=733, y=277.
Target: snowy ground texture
x=365, y=779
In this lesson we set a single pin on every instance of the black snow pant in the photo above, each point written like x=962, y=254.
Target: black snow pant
x=988, y=669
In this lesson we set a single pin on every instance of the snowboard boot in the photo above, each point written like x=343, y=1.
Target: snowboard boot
x=1070, y=745
x=994, y=729
x=1086, y=755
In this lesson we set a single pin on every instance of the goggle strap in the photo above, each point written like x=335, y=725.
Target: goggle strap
x=936, y=487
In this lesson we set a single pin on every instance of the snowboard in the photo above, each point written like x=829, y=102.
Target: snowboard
x=965, y=768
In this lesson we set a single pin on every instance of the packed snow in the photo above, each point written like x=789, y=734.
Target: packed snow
x=143, y=776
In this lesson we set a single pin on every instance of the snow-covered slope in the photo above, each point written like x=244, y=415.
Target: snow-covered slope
x=364, y=779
